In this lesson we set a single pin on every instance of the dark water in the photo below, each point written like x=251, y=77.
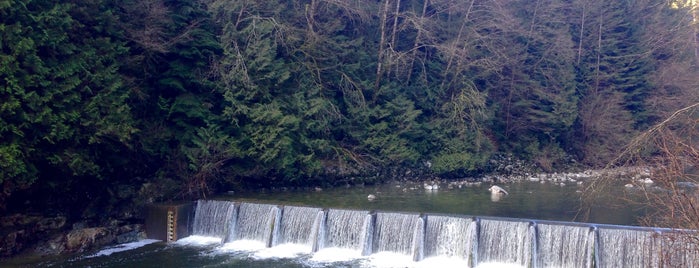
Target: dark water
x=529, y=200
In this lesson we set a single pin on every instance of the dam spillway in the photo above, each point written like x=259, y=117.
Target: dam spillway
x=476, y=241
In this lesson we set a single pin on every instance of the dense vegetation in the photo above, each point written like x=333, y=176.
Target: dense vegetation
x=99, y=99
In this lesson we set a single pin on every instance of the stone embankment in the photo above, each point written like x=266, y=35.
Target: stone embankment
x=51, y=236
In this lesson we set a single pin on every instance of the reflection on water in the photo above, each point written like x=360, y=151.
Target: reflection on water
x=530, y=200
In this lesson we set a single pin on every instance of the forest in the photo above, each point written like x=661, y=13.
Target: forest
x=101, y=99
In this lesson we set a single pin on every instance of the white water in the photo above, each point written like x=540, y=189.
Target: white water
x=679, y=250
x=283, y=251
x=564, y=246
x=123, y=247
x=504, y=242
x=349, y=238
x=211, y=216
x=198, y=240
x=329, y=255
x=395, y=232
x=449, y=237
x=299, y=225
x=345, y=229
x=627, y=248
x=241, y=245
x=255, y=222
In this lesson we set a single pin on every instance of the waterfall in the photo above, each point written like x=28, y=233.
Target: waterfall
x=449, y=236
x=395, y=232
x=627, y=248
x=475, y=241
x=563, y=246
x=212, y=218
x=504, y=242
x=297, y=226
x=346, y=229
x=679, y=249
x=318, y=231
x=418, y=248
x=256, y=222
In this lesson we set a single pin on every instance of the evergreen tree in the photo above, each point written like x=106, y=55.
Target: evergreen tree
x=611, y=80
x=65, y=118
x=172, y=46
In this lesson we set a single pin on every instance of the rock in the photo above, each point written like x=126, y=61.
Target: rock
x=55, y=223
x=130, y=233
x=12, y=243
x=87, y=238
x=687, y=184
x=79, y=225
x=18, y=220
x=20, y=231
x=53, y=246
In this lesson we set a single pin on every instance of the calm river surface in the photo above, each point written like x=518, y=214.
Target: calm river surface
x=527, y=200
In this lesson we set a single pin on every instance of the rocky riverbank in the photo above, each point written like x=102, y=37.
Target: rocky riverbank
x=55, y=234
x=43, y=231
x=46, y=235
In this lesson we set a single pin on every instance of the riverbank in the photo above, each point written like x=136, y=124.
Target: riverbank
x=32, y=233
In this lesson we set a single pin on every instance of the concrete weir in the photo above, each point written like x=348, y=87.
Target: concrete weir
x=475, y=240
x=169, y=222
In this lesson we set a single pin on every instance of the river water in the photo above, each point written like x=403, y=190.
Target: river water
x=526, y=200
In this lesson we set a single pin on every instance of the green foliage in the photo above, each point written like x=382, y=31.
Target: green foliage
x=65, y=114
x=206, y=156
x=172, y=45
x=207, y=92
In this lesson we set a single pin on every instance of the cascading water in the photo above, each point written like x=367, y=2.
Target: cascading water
x=332, y=233
x=563, y=246
x=449, y=236
x=504, y=242
x=255, y=222
x=627, y=248
x=346, y=229
x=680, y=249
x=395, y=232
x=418, y=247
x=298, y=225
x=212, y=218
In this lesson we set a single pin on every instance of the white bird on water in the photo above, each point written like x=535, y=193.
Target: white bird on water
x=431, y=187
x=497, y=190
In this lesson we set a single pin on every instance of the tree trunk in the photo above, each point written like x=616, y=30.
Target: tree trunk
x=453, y=48
x=382, y=44
x=417, y=40
x=582, y=31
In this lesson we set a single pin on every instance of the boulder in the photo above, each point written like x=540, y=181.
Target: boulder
x=13, y=243
x=88, y=238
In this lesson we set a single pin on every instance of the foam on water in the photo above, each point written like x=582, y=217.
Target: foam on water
x=335, y=254
x=391, y=259
x=443, y=262
x=388, y=259
x=122, y=247
x=198, y=240
x=499, y=265
x=283, y=251
x=241, y=245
